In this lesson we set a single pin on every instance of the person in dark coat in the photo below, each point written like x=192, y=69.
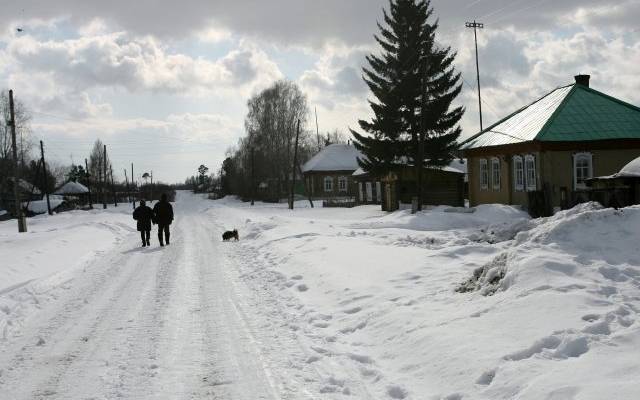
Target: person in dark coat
x=163, y=214
x=144, y=216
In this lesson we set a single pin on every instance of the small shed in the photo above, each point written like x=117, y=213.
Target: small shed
x=618, y=190
x=440, y=186
x=74, y=193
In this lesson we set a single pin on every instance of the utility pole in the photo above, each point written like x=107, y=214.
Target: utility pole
x=421, y=137
x=133, y=186
x=113, y=187
x=104, y=171
x=22, y=222
x=126, y=180
x=253, y=176
x=46, y=185
x=86, y=171
x=317, y=130
x=477, y=25
x=293, y=168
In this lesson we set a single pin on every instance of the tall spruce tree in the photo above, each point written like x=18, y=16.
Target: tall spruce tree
x=414, y=83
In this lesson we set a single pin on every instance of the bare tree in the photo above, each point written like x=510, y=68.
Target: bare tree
x=271, y=130
x=336, y=137
x=96, y=164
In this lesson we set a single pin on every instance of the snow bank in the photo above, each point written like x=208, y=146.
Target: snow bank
x=40, y=206
x=52, y=247
x=373, y=297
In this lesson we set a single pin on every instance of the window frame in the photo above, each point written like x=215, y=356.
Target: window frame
x=518, y=186
x=496, y=183
x=484, y=174
x=530, y=184
x=342, y=181
x=329, y=180
x=587, y=156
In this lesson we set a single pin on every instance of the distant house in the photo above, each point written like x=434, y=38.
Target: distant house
x=329, y=174
x=542, y=155
x=74, y=192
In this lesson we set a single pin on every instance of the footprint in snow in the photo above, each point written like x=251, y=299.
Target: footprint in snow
x=396, y=392
x=486, y=378
x=302, y=287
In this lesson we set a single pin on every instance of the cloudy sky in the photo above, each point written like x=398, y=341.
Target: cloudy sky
x=164, y=83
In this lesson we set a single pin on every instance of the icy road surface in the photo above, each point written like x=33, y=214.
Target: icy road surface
x=142, y=323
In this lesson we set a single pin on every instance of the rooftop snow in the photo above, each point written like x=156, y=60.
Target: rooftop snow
x=72, y=188
x=335, y=157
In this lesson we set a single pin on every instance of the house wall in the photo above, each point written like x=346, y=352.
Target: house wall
x=439, y=187
x=315, y=183
x=558, y=172
x=554, y=172
x=505, y=194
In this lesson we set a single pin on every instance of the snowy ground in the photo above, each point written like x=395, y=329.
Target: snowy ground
x=323, y=304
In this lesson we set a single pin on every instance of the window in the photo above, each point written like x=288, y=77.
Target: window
x=360, y=191
x=342, y=184
x=495, y=173
x=582, y=170
x=518, y=173
x=378, y=191
x=328, y=184
x=530, y=172
x=484, y=174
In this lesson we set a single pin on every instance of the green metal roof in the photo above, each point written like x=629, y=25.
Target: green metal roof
x=569, y=113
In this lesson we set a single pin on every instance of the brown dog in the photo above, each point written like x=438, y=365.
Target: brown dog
x=228, y=235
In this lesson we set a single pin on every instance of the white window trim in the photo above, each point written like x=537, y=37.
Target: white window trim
x=343, y=184
x=577, y=156
x=531, y=184
x=328, y=180
x=519, y=187
x=495, y=183
x=484, y=174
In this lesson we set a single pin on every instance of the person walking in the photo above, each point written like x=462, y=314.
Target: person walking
x=163, y=214
x=144, y=216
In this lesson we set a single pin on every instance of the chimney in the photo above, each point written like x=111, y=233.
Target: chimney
x=582, y=80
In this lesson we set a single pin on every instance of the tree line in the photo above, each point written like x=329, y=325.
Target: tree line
x=97, y=174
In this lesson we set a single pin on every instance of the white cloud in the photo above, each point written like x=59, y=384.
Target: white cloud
x=214, y=35
x=117, y=60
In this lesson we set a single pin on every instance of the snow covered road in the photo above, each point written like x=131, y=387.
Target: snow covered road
x=136, y=323
x=323, y=304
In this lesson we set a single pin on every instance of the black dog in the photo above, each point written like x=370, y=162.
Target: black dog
x=228, y=235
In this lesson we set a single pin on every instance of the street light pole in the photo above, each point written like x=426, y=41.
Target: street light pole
x=477, y=25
